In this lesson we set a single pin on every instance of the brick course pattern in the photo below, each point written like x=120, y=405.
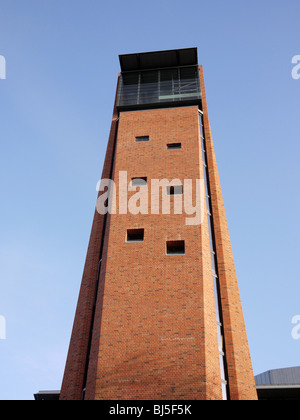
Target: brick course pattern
x=158, y=332
x=155, y=332
x=73, y=380
x=240, y=371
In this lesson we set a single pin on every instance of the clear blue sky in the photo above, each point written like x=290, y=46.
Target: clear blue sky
x=56, y=107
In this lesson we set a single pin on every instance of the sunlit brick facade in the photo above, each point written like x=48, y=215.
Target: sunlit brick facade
x=159, y=314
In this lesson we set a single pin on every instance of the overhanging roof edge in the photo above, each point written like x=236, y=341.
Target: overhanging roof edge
x=159, y=59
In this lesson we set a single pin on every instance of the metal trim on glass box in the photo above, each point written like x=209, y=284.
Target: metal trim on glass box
x=159, y=88
x=159, y=59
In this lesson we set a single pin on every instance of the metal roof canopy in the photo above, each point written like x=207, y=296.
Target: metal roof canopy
x=158, y=59
x=278, y=377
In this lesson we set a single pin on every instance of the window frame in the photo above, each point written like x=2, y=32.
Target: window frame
x=134, y=181
x=133, y=232
x=174, y=190
x=172, y=245
x=142, y=139
x=174, y=146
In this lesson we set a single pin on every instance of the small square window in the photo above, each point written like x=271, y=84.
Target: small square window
x=141, y=139
x=175, y=190
x=175, y=248
x=135, y=235
x=139, y=182
x=173, y=146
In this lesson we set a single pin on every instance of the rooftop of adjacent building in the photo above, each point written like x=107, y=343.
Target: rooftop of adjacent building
x=279, y=384
x=47, y=396
x=276, y=384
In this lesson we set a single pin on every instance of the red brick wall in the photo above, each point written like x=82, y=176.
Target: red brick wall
x=158, y=325
x=241, y=378
x=73, y=379
x=155, y=334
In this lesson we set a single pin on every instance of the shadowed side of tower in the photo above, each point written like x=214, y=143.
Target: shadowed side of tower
x=239, y=365
x=79, y=350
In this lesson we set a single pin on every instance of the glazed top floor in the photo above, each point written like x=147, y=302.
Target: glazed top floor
x=159, y=79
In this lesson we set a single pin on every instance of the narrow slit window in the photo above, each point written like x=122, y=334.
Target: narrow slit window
x=135, y=235
x=175, y=248
x=141, y=139
x=139, y=181
x=175, y=190
x=173, y=146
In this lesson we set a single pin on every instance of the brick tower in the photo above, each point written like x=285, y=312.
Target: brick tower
x=159, y=314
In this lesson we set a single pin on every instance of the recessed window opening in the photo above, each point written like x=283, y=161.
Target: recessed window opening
x=175, y=248
x=135, y=235
x=139, y=181
x=175, y=190
x=141, y=139
x=173, y=146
